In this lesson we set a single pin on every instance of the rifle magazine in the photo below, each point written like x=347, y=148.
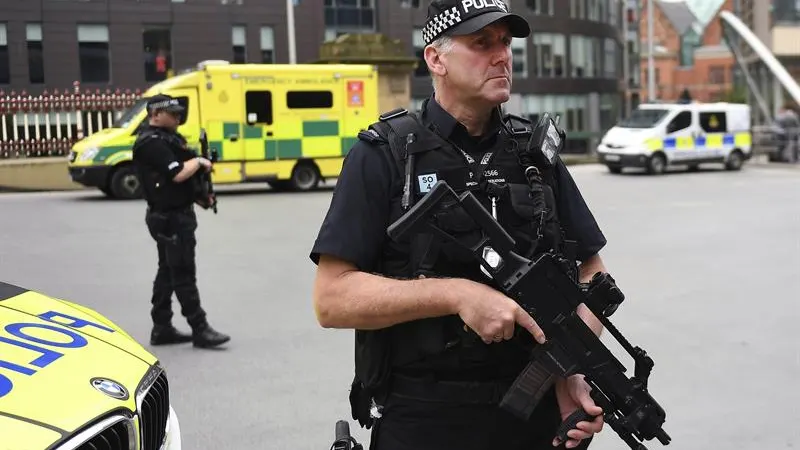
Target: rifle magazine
x=528, y=389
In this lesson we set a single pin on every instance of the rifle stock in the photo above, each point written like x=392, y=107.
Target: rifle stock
x=546, y=291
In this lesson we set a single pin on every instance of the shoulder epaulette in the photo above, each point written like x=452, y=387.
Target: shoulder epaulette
x=371, y=136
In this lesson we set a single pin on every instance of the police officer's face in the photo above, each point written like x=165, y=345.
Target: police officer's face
x=478, y=67
x=167, y=119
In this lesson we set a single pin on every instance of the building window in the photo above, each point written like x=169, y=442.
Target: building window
x=33, y=36
x=519, y=50
x=542, y=7
x=577, y=9
x=610, y=60
x=95, y=62
x=689, y=42
x=5, y=73
x=585, y=56
x=350, y=15
x=239, y=41
x=549, y=54
x=267, y=45
x=716, y=75
x=157, y=43
x=419, y=51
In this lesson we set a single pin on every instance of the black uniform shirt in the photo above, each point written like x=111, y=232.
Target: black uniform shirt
x=354, y=228
x=158, y=159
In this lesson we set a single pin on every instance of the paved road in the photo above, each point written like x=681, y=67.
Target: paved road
x=709, y=261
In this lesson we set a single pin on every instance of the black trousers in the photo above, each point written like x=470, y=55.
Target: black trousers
x=413, y=419
x=174, y=234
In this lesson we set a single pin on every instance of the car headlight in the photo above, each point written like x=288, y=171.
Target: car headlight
x=88, y=154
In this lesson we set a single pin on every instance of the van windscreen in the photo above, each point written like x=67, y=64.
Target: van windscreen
x=130, y=114
x=643, y=118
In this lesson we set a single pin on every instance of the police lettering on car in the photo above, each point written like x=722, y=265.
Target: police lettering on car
x=57, y=341
x=420, y=380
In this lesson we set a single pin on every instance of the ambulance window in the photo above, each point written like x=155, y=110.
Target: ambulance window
x=184, y=101
x=309, y=99
x=259, y=107
x=713, y=122
x=682, y=121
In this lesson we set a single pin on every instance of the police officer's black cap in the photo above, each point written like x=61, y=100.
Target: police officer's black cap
x=163, y=102
x=460, y=17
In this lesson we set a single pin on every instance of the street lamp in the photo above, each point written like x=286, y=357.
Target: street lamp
x=290, y=4
x=651, y=76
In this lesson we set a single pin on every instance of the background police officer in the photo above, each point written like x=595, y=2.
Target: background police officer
x=408, y=301
x=167, y=169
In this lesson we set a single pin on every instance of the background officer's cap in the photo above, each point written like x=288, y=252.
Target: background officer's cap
x=163, y=102
x=460, y=17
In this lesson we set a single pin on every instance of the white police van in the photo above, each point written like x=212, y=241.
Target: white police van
x=659, y=135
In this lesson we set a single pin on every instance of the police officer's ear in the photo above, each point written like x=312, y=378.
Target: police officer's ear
x=434, y=59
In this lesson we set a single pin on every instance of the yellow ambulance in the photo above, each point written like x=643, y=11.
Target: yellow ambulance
x=286, y=125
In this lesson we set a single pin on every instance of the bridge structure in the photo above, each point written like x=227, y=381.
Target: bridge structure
x=768, y=81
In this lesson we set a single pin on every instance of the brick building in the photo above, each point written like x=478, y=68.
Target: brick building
x=571, y=65
x=689, y=55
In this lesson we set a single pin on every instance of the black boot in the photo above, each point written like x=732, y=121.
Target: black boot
x=168, y=334
x=204, y=336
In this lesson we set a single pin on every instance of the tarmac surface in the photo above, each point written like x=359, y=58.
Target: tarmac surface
x=709, y=263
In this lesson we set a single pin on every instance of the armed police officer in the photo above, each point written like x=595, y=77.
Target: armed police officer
x=420, y=382
x=168, y=170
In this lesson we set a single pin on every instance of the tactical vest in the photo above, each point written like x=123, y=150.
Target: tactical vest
x=153, y=183
x=524, y=205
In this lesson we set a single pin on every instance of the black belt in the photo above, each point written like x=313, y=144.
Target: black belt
x=465, y=392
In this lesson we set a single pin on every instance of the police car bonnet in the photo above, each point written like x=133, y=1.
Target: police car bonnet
x=460, y=17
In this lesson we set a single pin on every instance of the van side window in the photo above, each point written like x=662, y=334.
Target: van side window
x=681, y=122
x=309, y=99
x=259, y=107
x=713, y=122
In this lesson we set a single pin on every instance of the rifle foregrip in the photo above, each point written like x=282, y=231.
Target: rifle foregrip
x=569, y=424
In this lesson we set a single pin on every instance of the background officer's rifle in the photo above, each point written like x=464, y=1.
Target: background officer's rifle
x=545, y=290
x=208, y=199
x=343, y=439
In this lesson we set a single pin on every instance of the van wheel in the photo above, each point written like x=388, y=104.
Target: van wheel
x=615, y=169
x=305, y=177
x=657, y=164
x=735, y=160
x=125, y=183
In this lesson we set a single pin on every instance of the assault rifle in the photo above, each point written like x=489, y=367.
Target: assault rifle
x=208, y=199
x=544, y=289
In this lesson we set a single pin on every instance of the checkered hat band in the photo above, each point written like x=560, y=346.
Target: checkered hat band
x=440, y=23
x=164, y=104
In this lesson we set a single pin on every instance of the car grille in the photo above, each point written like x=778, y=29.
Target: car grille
x=114, y=437
x=154, y=414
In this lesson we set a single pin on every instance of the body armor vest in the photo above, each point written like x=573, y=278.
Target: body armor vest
x=524, y=206
x=153, y=183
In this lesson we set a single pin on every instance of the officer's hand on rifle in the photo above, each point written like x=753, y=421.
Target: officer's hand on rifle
x=206, y=164
x=491, y=314
x=573, y=393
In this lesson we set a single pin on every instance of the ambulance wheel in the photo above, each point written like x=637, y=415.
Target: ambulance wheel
x=615, y=169
x=305, y=176
x=125, y=183
x=735, y=160
x=657, y=164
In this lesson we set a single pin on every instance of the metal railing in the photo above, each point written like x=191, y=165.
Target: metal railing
x=50, y=123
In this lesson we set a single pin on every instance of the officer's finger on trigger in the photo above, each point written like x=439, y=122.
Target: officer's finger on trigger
x=527, y=322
